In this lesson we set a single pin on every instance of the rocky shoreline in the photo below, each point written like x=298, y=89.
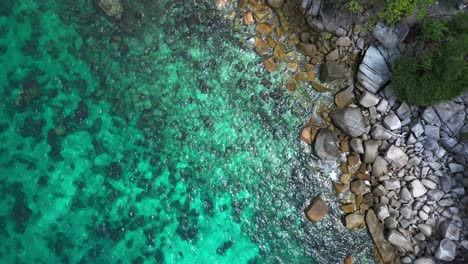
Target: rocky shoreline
x=403, y=168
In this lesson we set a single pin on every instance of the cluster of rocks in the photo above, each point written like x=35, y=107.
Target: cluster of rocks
x=405, y=171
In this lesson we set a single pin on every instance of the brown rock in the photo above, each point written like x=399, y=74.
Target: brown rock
x=279, y=32
x=348, y=260
x=261, y=46
x=344, y=145
x=354, y=221
x=261, y=15
x=292, y=85
x=314, y=60
x=376, y=230
x=293, y=65
x=345, y=178
x=221, y=4
x=340, y=188
x=321, y=88
x=279, y=53
x=305, y=76
x=248, y=18
x=316, y=210
x=271, y=42
x=353, y=160
x=344, y=98
x=349, y=208
x=255, y=5
x=112, y=8
x=307, y=49
x=269, y=64
x=264, y=28
x=308, y=133
x=309, y=67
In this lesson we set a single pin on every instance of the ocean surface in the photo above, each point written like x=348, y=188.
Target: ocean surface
x=158, y=138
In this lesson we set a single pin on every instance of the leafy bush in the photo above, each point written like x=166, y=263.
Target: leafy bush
x=395, y=10
x=354, y=7
x=438, y=74
x=434, y=30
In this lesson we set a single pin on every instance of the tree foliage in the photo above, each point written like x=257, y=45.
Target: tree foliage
x=438, y=74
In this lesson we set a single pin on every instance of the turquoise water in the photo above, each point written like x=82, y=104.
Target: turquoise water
x=155, y=139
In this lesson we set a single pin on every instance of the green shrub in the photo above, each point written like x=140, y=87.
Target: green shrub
x=434, y=30
x=354, y=7
x=438, y=74
x=395, y=10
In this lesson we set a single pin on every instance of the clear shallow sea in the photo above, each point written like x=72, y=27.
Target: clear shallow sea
x=156, y=139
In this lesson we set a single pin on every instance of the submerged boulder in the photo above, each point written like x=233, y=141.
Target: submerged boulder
x=316, y=210
x=326, y=145
x=350, y=121
x=112, y=8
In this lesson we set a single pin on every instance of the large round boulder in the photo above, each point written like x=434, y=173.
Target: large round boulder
x=349, y=121
x=326, y=145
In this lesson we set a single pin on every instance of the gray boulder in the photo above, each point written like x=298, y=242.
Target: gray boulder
x=391, y=184
x=349, y=121
x=368, y=99
x=379, y=167
x=398, y=239
x=392, y=122
x=332, y=71
x=417, y=189
x=356, y=145
x=446, y=250
x=451, y=231
x=112, y=8
x=373, y=71
x=380, y=132
x=396, y=157
x=390, y=36
x=371, y=149
x=326, y=145
x=435, y=195
x=424, y=260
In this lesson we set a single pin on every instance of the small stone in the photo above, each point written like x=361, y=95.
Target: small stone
x=379, y=132
x=391, y=223
x=356, y=145
x=396, y=157
x=451, y=231
x=308, y=76
x=317, y=209
x=269, y=64
x=392, y=184
x=425, y=229
x=359, y=187
x=406, y=212
x=368, y=99
x=446, y=202
x=417, y=129
x=435, y=195
x=397, y=239
x=382, y=106
x=279, y=53
x=350, y=121
x=446, y=250
x=261, y=46
x=340, y=188
x=331, y=71
x=417, y=189
x=422, y=215
x=333, y=55
x=429, y=184
x=379, y=167
x=308, y=133
x=381, y=211
x=392, y=122
x=248, y=18
x=264, y=29
x=371, y=148
x=424, y=260
x=348, y=260
x=379, y=190
x=307, y=49
x=261, y=15
x=326, y=145
x=343, y=41
x=354, y=221
x=112, y=8
x=454, y=167
x=405, y=195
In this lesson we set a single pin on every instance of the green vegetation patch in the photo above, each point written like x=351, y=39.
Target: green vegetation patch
x=441, y=71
